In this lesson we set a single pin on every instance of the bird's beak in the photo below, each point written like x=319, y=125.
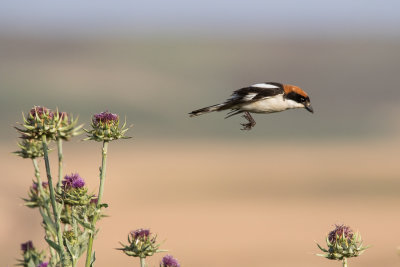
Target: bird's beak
x=309, y=107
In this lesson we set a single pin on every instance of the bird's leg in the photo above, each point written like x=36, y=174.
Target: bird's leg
x=251, y=122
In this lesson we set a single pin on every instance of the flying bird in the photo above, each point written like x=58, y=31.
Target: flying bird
x=268, y=97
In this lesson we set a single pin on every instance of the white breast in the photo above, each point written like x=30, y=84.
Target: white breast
x=271, y=104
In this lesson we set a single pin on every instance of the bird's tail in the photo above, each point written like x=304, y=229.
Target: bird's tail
x=205, y=110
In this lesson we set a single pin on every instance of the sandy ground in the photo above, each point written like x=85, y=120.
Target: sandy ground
x=226, y=204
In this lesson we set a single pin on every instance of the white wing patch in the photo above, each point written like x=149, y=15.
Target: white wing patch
x=249, y=96
x=264, y=85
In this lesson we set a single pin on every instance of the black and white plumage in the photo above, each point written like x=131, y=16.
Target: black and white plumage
x=264, y=98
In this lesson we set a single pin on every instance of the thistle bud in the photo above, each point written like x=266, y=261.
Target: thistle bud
x=43, y=264
x=36, y=199
x=30, y=148
x=69, y=236
x=66, y=213
x=39, y=121
x=93, y=209
x=94, y=200
x=169, y=261
x=105, y=127
x=31, y=257
x=342, y=243
x=75, y=242
x=54, y=125
x=27, y=246
x=66, y=125
x=73, y=191
x=141, y=244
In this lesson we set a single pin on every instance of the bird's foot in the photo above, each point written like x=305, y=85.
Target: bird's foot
x=247, y=126
x=251, y=122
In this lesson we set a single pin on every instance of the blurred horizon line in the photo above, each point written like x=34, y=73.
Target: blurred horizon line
x=190, y=36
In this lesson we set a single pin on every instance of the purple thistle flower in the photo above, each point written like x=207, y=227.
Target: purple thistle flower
x=43, y=264
x=169, y=261
x=27, y=246
x=73, y=181
x=78, y=183
x=340, y=230
x=105, y=117
x=40, y=111
x=140, y=233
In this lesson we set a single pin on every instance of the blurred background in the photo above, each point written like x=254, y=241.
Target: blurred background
x=218, y=196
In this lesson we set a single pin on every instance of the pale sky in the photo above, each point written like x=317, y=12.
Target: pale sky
x=221, y=17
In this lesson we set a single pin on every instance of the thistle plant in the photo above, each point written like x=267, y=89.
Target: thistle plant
x=105, y=128
x=69, y=213
x=141, y=243
x=41, y=125
x=342, y=244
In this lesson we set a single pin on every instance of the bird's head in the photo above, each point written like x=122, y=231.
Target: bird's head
x=297, y=95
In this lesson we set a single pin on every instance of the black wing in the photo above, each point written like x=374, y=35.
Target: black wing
x=253, y=93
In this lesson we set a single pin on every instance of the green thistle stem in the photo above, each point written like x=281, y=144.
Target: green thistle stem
x=53, y=200
x=46, y=206
x=40, y=186
x=37, y=175
x=99, y=197
x=142, y=262
x=344, y=262
x=102, y=173
x=53, y=256
x=60, y=164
